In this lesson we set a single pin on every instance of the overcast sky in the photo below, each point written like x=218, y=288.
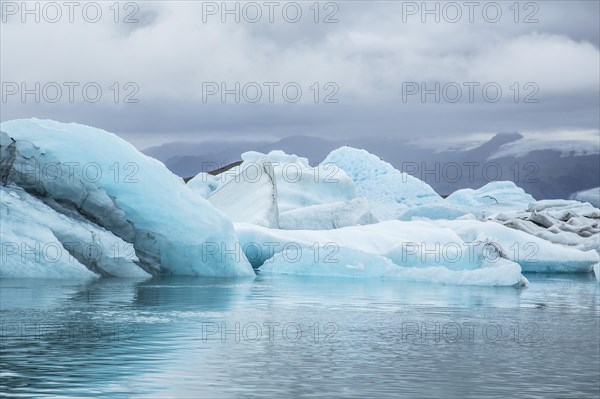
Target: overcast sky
x=361, y=74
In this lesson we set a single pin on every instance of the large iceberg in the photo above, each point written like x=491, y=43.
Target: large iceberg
x=388, y=190
x=414, y=251
x=354, y=263
x=95, y=175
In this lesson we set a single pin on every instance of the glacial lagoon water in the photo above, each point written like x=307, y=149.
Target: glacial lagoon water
x=299, y=337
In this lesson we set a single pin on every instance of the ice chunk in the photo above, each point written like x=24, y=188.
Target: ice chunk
x=251, y=196
x=106, y=180
x=560, y=208
x=503, y=193
x=388, y=190
x=348, y=262
x=591, y=196
x=328, y=216
x=568, y=223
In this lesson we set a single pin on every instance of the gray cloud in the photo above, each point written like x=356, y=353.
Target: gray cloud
x=369, y=54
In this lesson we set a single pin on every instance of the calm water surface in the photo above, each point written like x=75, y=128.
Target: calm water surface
x=299, y=337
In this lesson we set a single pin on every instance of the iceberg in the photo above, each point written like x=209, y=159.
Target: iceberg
x=109, y=210
x=495, y=194
x=354, y=263
x=251, y=196
x=534, y=254
x=591, y=196
x=414, y=251
x=388, y=190
x=97, y=176
x=483, y=203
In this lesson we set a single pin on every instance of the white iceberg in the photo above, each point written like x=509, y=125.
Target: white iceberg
x=483, y=203
x=534, y=254
x=108, y=182
x=591, y=196
x=349, y=262
x=498, y=193
x=388, y=190
x=251, y=196
x=300, y=185
x=415, y=251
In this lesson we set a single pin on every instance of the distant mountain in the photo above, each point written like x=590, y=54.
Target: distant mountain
x=544, y=169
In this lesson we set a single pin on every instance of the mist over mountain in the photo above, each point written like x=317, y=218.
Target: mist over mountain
x=545, y=169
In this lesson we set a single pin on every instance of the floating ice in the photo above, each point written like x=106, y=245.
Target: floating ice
x=106, y=180
x=415, y=251
x=347, y=262
x=534, y=254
